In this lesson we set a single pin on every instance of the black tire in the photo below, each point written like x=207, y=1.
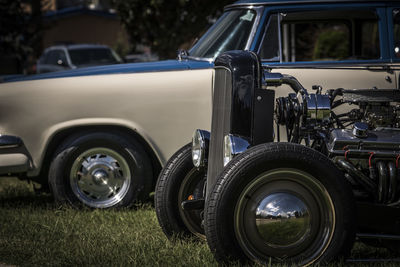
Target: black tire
x=100, y=170
x=178, y=180
x=265, y=179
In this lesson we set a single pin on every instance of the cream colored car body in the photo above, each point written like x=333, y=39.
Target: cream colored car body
x=349, y=78
x=164, y=108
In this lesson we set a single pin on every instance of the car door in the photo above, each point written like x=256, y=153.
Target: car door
x=335, y=46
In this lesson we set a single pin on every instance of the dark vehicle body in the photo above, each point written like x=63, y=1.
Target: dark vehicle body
x=65, y=57
x=287, y=174
x=336, y=177
x=250, y=116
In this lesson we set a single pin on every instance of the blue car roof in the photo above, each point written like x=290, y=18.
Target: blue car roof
x=285, y=2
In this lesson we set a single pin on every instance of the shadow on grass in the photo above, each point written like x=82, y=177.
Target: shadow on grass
x=16, y=199
x=373, y=255
x=15, y=193
x=40, y=201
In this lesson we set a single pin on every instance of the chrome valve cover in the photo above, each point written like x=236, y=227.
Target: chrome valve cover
x=380, y=139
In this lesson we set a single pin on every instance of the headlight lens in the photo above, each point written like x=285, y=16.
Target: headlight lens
x=233, y=145
x=200, y=142
x=228, y=149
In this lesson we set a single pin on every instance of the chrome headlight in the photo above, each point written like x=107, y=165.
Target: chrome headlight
x=233, y=145
x=200, y=142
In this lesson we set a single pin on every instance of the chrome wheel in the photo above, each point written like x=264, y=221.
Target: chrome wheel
x=100, y=177
x=284, y=214
x=280, y=202
x=192, y=188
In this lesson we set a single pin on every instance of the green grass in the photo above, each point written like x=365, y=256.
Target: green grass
x=36, y=232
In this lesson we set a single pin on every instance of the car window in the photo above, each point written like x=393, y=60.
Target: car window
x=270, y=45
x=92, y=56
x=396, y=32
x=230, y=32
x=55, y=57
x=48, y=56
x=325, y=35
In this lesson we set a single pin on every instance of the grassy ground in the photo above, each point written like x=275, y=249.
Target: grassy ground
x=35, y=232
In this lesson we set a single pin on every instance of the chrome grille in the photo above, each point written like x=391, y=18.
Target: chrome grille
x=220, y=124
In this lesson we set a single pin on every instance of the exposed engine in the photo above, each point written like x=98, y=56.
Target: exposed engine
x=358, y=129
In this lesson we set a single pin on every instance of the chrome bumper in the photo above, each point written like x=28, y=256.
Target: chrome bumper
x=13, y=155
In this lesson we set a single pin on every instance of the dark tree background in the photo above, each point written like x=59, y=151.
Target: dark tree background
x=167, y=25
x=20, y=34
x=163, y=25
x=12, y=29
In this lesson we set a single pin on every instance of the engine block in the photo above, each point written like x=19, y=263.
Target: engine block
x=379, y=141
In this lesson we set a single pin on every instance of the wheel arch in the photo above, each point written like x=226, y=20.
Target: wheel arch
x=57, y=135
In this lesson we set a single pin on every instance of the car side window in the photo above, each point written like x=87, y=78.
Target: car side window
x=56, y=57
x=269, y=50
x=327, y=35
x=396, y=32
x=50, y=57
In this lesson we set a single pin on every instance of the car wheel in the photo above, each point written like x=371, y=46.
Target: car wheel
x=281, y=203
x=100, y=170
x=178, y=181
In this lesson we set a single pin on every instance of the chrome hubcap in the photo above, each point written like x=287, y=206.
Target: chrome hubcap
x=284, y=214
x=282, y=220
x=100, y=177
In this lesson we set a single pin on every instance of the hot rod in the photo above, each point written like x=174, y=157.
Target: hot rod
x=304, y=199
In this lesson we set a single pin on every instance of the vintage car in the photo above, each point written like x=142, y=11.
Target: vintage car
x=301, y=201
x=99, y=136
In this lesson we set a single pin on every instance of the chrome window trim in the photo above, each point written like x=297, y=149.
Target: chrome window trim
x=259, y=12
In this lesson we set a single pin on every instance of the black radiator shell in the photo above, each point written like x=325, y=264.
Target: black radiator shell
x=240, y=106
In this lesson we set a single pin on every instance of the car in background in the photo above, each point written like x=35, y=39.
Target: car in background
x=100, y=135
x=64, y=57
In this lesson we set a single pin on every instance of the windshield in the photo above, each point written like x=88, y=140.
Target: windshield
x=92, y=56
x=230, y=32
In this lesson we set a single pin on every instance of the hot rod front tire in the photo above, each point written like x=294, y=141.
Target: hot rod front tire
x=281, y=202
x=178, y=180
x=100, y=170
